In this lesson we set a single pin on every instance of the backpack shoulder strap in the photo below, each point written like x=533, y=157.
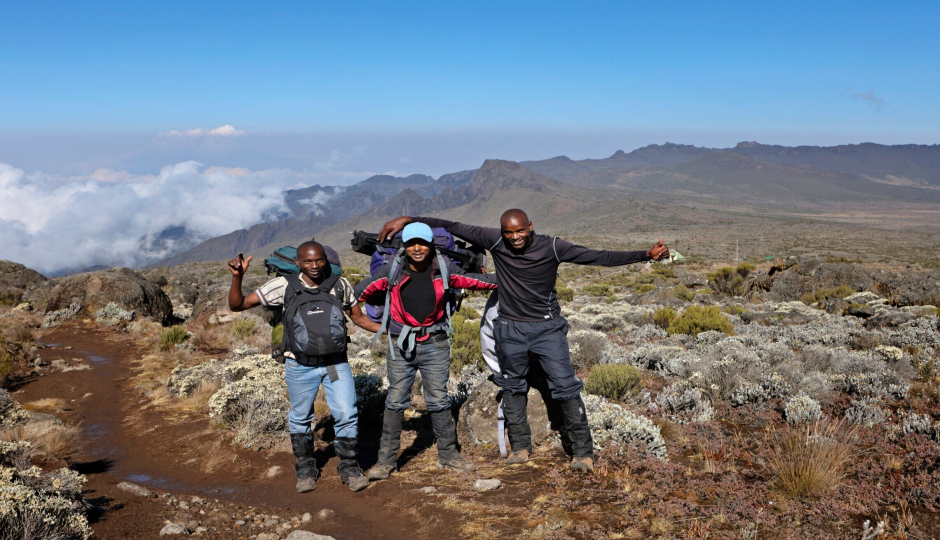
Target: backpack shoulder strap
x=445, y=281
x=393, y=272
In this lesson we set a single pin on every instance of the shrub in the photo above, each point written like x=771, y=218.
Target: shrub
x=645, y=288
x=821, y=295
x=611, y=424
x=664, y=271
x=801, y=409
x=613, y=381
x=56, y=318
x=354, y=274
x=48, y=439
x=465, y=346
x=597, y=290
x=245, y=327
x=696, y=319
x=731, y=281
x=734, y=309
x=663, y=317
x=113, y=315
x=588, y=348
x=172, y=337
x=681, y=291
x=467, y=312
x=809, y=461
x=564, y=293
x=684, y=405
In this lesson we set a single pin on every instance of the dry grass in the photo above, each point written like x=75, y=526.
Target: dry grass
x=46, y=405
x=49, y=440
x=810, y=460
x=198, y=399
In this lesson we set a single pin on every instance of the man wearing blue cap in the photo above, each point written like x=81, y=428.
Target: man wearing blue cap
x=418, y=290
x=530, y=325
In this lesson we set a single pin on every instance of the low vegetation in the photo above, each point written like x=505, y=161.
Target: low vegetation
x=614, y=381
x=696, y=319
x=173, y=336
x=810, y=460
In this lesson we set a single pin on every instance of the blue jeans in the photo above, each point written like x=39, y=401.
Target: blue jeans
x=303, y=383
x=433, y=359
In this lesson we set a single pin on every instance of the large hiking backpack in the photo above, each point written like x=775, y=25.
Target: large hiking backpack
x=469, y=258
x=314, y=324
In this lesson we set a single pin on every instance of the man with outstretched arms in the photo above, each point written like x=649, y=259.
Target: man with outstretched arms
x=530, y=322
x=314, y=302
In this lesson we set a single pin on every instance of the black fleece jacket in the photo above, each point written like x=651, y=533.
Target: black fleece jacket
x=527, y=277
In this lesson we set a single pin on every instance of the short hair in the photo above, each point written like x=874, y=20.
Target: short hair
x=310, y=244
x=514, y=213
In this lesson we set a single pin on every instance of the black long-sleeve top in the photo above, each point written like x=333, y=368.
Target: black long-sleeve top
x=527, y=277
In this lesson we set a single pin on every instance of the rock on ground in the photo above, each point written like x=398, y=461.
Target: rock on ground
x=171, y=529
x=325, y=514
x=94, y=290
x=487, y=485
x=305, y=535
x=16, y=279
x=135, y=489
x=477, y=423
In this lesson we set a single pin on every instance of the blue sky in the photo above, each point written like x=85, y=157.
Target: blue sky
x=528, y=79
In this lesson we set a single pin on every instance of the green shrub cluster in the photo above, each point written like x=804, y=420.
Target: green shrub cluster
x=663, y=317
x=731, y=281
x=683, y=292
x=354, y=274
x=467, y=312
x=645, y=288
x=465, y=347
x=696, y=319
x=614, y=381
x=821, y=295
x=564, y=293
x=244, y=327
x=664, y=271
x=173, y=336
x=598, y=289
x=734, y=309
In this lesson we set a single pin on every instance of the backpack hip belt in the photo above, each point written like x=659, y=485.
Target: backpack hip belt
x=409, y=334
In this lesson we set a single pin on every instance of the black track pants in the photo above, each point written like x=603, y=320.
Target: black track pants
x=545, y=342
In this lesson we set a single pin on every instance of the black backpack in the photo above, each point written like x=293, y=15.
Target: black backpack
x=314, y=323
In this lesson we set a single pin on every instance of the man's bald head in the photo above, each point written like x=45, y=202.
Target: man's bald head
x=513, y=214
x=310, y=244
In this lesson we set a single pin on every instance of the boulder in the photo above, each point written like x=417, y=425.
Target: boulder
x=803, y=275
x=135, y=489
x=908, y=288
x=16, y=280
x=478, y=423
x=94, y=290
x=306, y=535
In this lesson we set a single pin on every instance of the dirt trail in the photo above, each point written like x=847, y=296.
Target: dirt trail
x=128, y=440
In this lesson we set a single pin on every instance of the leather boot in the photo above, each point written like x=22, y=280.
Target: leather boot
x=306, y=465
x=348, y=466
x=576, y=423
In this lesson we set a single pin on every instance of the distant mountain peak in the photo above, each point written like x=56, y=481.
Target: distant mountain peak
x=748, y=144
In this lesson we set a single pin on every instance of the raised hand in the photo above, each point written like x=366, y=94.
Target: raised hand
x=659, y=251
x=391, y=228
x=239, y=265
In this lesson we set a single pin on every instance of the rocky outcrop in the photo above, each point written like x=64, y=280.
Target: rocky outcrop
x=791, y=278
x=16, y=279
x=478, y=423
x=95, y=290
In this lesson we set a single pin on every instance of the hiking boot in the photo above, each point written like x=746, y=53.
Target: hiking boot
x=518, y=457
x=458, y=465
x=380, y=471
x=306, y=465
x=445, y=431
x=584, y=464
x=356, y=483
x=306, y=484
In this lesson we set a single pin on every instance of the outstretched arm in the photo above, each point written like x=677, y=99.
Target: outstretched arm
x=565, y=251
x=482, y=236
x=236, y=300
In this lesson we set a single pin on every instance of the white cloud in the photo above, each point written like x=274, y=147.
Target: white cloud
x=222, y=131
x=53, y=225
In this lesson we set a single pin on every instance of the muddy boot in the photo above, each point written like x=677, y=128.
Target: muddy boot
x=348, y=467
x=517, y=424
x=579, y=433
x=445, y=430
x=306, y=466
